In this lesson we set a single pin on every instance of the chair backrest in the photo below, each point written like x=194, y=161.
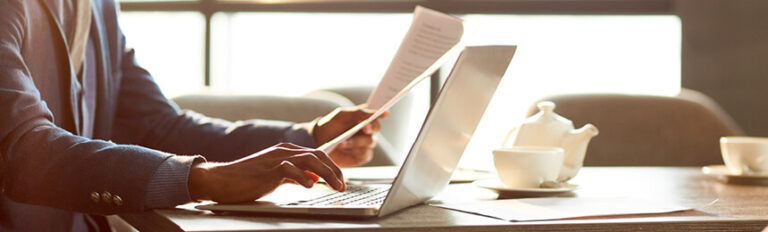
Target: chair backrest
x=649, y=130
x=243, y=107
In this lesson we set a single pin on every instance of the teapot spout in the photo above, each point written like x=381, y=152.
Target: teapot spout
x=586, y=132
x=575, y=144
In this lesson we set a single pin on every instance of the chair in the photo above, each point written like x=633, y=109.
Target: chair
x=243, y=107
x=641, y=130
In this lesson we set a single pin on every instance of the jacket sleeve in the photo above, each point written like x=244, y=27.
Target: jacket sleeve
x=146, y=117
x=43, y=164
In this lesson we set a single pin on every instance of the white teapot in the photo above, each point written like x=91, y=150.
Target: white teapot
x=546, y=128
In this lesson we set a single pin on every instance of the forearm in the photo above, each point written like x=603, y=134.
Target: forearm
x=218, y=140
x=51, y=167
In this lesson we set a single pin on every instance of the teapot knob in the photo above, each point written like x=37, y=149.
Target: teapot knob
x=546, y=106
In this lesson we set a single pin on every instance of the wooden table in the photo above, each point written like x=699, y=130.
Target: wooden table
x=718, y=206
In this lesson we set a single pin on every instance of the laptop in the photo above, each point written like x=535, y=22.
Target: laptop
x=433, y=157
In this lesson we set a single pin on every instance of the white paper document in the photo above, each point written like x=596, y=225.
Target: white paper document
x=551, y=208
x=432, y=38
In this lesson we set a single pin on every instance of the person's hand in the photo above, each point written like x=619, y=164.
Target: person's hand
x=258, y=174
x=356, y=150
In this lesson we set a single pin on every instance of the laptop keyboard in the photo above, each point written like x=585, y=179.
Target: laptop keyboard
x=356, y=195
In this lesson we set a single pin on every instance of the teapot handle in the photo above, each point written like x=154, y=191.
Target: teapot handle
x=506, y=144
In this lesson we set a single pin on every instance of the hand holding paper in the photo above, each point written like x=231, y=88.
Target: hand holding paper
x=355, y=150
x=432, y=38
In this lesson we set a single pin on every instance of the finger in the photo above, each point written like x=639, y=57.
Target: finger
x=319, y=154
x=282, y=151
x=347, y=144
x=370, y=112
x=290, y=171
x=370, y=128
x=289, y=181
x=291, y=146
x=329, y=162
x=353, y=156
x=359, y=141
x=347, y=114
x=375, y=126
x=366, y=141
x=363, y=106
x=325, y=164
x=311, y=163
x=384, y=115
x=315, y=178
x=356, y=114
x=312, y=176
x=293, y=149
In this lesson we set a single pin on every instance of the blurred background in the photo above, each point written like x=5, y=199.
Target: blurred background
x=290, y=48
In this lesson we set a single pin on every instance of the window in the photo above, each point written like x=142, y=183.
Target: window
x=170, y=46
x=253, y=54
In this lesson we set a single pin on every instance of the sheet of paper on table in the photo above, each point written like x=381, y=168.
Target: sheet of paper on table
x=432, y=38
x=385, y=174
x=552, y=208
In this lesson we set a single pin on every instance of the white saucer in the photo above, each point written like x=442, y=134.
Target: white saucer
x=496, y=185
x=722, y=172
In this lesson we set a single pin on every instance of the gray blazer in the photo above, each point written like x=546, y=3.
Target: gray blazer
x=48, y=171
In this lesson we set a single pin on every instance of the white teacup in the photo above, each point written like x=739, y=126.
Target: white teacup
x=745, y=155
x=528, y=166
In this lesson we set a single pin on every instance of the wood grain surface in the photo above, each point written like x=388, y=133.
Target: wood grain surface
x=718, y=206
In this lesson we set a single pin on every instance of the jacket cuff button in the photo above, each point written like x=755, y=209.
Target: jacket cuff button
x=106, y=197
x=117, y=200
x=95, y=197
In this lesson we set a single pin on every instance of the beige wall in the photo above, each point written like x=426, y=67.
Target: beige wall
x=725, y=55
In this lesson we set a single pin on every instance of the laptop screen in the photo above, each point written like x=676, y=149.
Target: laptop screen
x=449, y=126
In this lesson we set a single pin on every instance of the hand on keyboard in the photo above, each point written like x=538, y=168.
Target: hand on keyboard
x=256, y=175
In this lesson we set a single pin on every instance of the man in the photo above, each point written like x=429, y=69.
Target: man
x=69, y=88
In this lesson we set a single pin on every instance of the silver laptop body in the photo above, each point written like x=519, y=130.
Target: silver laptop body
x=428, y=167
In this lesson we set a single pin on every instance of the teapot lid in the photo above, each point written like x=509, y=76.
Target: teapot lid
x=547, y=114
x=546, y=106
